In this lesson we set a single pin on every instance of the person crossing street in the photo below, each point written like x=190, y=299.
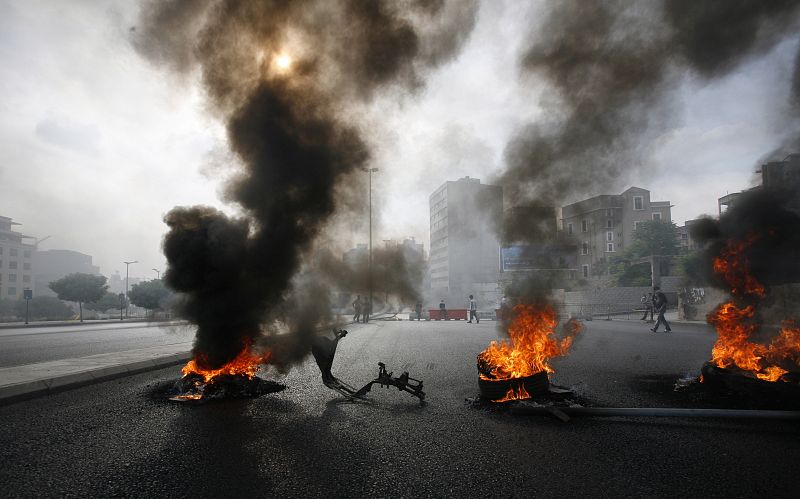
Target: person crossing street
x=473, y=310
x=660, y=302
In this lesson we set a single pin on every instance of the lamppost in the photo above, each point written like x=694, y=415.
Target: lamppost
x=158, y=274
x=126, y=285
x=369, y=268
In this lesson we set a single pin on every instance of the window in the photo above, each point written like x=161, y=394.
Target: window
x=26, y=278
x=12, y=251
x=12, y=291
x=638, y=203
x=26, y=253
x=12, y=265
x=610, y=247
x=636, y=225
x=26, y=266
x=585, y=248
x=656, y=215
x=609, y=236
x=609, y=224
x=684, y=236
x=585, y=270
x=584, y=226
x=12, y=277
x=569, y=228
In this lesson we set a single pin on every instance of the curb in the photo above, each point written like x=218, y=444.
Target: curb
x=48, y=386
x=88, y=322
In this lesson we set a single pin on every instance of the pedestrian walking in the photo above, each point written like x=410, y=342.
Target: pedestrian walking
x=442, y=310
x=419, y=310
x=357, y=308
x=473, y=310
x=647, y=304
x=660, y=305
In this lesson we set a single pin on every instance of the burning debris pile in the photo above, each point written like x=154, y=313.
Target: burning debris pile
x=752, y=248
x=236, y=379
x=518, y=368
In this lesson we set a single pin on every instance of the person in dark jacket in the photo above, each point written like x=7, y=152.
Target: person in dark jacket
x=660, y=305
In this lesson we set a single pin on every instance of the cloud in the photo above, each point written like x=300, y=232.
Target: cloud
x=63, y=132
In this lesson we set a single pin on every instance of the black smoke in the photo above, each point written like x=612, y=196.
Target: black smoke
x=613, y=68
x=763, y=217
x=297, y=137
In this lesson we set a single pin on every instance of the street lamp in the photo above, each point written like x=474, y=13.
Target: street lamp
x=126, y=285
x=369, y=269
x=158, y=274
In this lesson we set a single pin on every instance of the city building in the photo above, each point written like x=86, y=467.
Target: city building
x=52, y=265
x=685, y=240
x=116, y=282
x=604, y=225
x=781, y=175
x=16, y=261
x=465, y=218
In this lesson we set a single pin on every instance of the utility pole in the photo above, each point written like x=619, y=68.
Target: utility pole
x=126, y=285
x=369, y=269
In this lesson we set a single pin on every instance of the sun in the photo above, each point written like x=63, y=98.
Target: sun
x=283, y=62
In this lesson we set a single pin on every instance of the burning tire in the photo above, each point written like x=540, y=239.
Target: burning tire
x=498, y=389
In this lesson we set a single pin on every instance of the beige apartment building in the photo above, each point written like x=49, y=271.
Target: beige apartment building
x=16, y=261
x=603, y=226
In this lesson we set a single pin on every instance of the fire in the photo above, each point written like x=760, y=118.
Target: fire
x=532, y=343
x=515, y=393
x=246, y=363
x=736, y=326
x=734, y=268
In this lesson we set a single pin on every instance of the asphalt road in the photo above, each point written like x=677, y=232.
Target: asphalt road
x=122, y=438
x=42, y=344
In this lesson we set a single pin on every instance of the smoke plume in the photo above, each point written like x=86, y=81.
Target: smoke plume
x=287, y=78
x=761, y=216
x=613, y=67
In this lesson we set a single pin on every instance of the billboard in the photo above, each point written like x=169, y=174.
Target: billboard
x=544, y=256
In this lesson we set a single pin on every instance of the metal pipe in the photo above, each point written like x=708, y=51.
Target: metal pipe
x=664, y=412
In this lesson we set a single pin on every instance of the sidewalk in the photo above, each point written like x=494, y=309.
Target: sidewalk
x=32, y=380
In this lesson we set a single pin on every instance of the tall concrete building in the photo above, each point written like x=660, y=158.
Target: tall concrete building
x=52, y=265
x=603, y=225
x=464, y=249
x=16, y=261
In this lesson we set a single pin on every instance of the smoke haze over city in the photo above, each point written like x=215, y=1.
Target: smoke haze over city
x=98, y=143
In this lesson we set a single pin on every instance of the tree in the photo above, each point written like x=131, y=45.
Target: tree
x=44, y=308
x=81, y=288
x=108, y=301
x=150, y=295
x=656, y=237
x=651, y=238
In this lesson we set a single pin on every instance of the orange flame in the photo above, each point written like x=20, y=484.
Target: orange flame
x=246, y=363
x=515, y=393
x=533, y=343
x=734, y=268
x=735, y=325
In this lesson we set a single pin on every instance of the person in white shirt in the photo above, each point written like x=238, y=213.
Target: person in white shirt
x=473, y=310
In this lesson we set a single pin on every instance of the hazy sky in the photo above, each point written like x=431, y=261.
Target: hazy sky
x=96, y=144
